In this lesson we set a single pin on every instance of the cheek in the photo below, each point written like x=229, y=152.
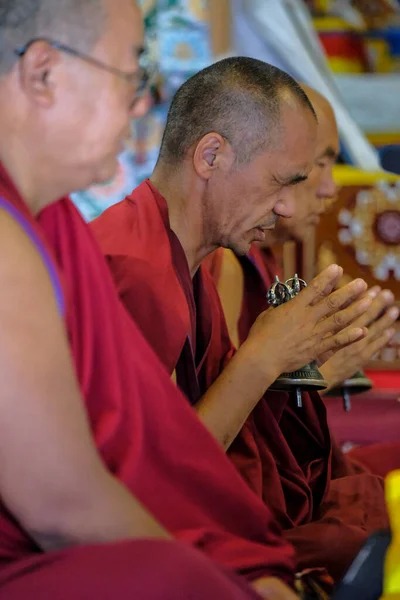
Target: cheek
x=113, y=112
x=140, y=107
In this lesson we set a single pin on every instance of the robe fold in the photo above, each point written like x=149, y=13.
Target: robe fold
x=285, y=455
x=144, y=430
x=143, y=570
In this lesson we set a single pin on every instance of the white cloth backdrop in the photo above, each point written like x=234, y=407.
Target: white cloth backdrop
x=281, y=32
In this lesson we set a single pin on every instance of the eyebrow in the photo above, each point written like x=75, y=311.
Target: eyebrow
x=329, y=152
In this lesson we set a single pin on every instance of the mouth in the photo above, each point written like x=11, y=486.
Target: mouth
x=260, y=231
x=314, y=220
x=267, y=227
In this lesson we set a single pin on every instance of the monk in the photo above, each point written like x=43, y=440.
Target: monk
x=102, y=460
x=243, y=281
x=240, y=137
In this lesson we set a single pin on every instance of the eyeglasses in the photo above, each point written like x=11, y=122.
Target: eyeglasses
x=140, y=79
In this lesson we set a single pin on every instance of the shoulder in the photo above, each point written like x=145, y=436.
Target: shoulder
x=130, y=228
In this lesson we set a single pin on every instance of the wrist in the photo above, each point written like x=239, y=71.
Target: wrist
x=329, y=375
x=261, y=369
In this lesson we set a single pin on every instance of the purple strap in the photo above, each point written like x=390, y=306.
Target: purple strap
x=37, y=242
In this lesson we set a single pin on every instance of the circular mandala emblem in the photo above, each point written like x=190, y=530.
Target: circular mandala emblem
x=387, y=227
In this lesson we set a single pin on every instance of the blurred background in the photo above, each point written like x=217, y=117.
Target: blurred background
x=349, y=50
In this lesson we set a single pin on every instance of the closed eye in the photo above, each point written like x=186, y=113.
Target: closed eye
x=291, y=181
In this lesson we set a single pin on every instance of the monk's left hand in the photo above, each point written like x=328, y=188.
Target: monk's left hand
x=271, y=588
x=379, y=319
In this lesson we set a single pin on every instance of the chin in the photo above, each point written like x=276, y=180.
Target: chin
x=106, y=172
x=304, y=233
x=241, y=249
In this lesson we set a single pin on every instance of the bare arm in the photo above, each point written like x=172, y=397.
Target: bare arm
x=282, y=339
x=230, y=289
x=51, y=478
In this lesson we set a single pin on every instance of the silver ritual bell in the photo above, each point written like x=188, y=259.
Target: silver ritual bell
x=308, y=377
x=357, y=384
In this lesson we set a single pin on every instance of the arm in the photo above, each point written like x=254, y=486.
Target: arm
x=51, y=478
x=282, y=339
x=230, y=290
x=273, y=589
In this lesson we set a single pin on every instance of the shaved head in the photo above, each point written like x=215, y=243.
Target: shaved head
x=239, y=98
x=76, y=22
x=326, y=119
x=319, y=102
x=68, y=72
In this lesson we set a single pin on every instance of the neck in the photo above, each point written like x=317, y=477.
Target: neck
x=184, y=194
x=27, y=174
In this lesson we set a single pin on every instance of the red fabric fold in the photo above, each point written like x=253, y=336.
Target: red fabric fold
x=147, y=570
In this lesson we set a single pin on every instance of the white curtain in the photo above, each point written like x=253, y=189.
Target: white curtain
x=281, y=32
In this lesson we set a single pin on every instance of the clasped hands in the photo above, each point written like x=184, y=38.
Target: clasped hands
x=340, y=329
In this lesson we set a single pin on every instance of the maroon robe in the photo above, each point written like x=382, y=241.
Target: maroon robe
x=141, y=569
x=144, y=430
x=284, y=454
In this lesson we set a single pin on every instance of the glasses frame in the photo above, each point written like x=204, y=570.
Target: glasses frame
x=139, y=78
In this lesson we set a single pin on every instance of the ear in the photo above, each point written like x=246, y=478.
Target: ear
x=211, y=153
x=36, y=72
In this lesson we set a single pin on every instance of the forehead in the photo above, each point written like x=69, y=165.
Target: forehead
x=298, y=125
x=124, y=28
x=298, y=135
x=327, y=132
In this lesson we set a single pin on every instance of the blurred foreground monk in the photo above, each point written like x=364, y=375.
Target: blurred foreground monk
x=243, y=281
x=92, y=430
x=239, y=138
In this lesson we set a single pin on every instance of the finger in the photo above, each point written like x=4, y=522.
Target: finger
x=389, y=297
x=340, y=319
x=338, y=299
x=374, y=291
x=370, y=293
x=379, y=326
x=378, y=344
x=377, y=308
x=342, y=339
x=273, y=589
x=320, y=286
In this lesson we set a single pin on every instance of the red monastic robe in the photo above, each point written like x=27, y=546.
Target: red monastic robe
x=140, y=569
x=284, y=454
x=145, y=432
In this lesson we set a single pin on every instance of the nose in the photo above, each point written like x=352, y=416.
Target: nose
x=285, y=207
x=327, y=188
x=141, y=106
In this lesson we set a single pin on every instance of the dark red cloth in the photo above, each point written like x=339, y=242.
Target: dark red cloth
x=374, y=417
x=380, y=459
x=145, y=432
x=142, y=570
x=284, y=454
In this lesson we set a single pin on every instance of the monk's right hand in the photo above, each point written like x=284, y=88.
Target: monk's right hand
x=318, y=320
x=271, y=588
